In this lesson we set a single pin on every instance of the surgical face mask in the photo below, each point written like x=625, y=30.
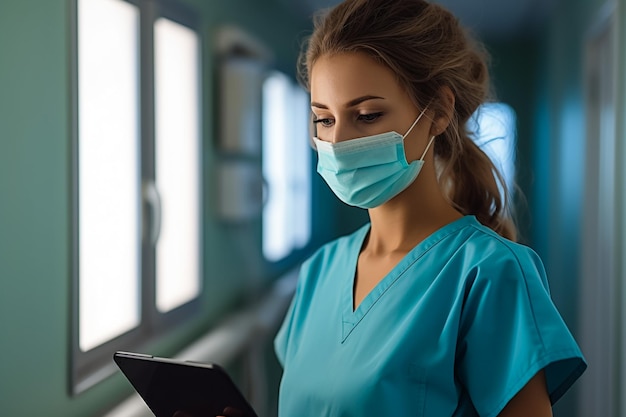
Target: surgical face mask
x=367, y=172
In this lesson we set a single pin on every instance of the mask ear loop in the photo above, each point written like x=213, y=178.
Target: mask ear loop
x=432, y=139
x=414, y=123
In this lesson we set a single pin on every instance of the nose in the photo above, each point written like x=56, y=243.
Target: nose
x=341, y=132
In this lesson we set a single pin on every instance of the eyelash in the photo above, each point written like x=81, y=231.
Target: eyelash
x=366, y=118
x=321, y=121
x=370, y=117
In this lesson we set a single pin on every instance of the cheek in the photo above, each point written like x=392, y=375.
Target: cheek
x=411, y=145
x=415, y=144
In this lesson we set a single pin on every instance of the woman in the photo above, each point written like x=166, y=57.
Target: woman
x=430, y=309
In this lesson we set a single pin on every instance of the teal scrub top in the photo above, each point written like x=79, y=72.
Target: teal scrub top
x=457, y=328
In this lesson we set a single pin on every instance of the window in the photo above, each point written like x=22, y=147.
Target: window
x=286, y=167
x=137, y=178
x=177, y=139
x=494, y=127
x=109, y=203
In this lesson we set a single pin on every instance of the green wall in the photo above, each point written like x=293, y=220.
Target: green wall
x=34, y=239
x=35, y=224
x=620, y=227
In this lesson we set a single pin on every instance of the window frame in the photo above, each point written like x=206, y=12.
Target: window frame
x=90, y=367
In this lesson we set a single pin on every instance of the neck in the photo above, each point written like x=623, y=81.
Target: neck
x=410, y=217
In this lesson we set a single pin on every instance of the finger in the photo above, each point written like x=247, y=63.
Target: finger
x=232, y=412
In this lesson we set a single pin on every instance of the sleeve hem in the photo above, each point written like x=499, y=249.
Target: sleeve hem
x=542, y=363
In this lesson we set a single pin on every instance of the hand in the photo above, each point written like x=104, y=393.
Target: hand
x=232, y=412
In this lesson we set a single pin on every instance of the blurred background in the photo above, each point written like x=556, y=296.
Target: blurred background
x=158, y=191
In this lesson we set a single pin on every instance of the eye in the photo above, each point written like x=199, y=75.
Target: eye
x=369, y=117
x=324, y=122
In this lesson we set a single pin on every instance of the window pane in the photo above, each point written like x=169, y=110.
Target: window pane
x=286, y=167
x=108, y=169
x=494, y=125
x=300, y=169
x=178, y=153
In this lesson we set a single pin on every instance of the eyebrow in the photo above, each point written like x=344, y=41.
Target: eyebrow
x=351, y=103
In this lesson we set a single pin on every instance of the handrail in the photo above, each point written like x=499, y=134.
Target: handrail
x=239, y=334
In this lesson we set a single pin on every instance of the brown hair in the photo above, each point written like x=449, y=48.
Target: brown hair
x=427, y=49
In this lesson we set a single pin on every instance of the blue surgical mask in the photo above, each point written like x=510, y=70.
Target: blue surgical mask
x=369, y=171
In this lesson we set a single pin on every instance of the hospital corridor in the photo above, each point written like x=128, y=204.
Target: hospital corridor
x=165, y=190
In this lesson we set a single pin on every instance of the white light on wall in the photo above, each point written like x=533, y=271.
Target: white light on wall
x=286, y=167
x=494, y=127
x=178, y=170
x=108, y=163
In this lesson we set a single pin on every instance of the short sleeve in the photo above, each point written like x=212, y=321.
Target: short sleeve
x=281, y=340
x=509, y=331
x=286, y=331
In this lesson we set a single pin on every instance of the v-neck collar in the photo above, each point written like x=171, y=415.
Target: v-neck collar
x=351, y=318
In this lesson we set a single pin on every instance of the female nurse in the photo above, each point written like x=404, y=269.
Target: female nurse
x=431, y=309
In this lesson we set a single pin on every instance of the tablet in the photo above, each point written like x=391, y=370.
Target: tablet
x=183, y=389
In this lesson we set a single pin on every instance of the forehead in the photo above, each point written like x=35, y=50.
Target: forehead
x=337, y=79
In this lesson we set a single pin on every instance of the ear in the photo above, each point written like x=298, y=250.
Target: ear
x=442, y=120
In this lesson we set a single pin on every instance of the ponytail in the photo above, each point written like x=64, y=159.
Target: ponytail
x=474, y=186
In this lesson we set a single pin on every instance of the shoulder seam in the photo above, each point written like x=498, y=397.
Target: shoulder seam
x=508, y=244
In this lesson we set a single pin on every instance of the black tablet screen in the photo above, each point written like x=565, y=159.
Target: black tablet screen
x=183, y=389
